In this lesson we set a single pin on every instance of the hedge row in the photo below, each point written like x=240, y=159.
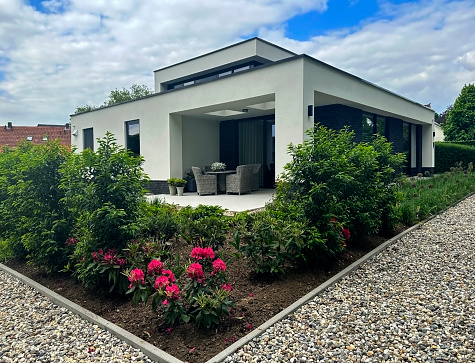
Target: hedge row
x=448, y=154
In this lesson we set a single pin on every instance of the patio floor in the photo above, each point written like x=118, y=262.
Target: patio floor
x=231, y=202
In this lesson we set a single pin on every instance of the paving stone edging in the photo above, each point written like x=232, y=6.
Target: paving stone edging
x=148, y=349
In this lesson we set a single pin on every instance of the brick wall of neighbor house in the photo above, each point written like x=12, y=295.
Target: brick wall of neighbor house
x=394, y=128
x=338, y=116
x=229, y=143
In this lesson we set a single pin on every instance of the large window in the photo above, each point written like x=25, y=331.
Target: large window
x=133, y=136
x=372, y=125
x=381, y=126
x=88, y=139
x=367, y=132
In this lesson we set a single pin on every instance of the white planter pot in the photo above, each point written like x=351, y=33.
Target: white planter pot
x=172, y=189
x=180, y=190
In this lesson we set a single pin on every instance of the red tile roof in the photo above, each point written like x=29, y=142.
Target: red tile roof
x=12, y=135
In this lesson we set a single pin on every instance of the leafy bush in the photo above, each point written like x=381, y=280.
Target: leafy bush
x=330, y=176
x=449, y=154
x=159, y=221
x=35, y=222
x=268, y=243
x=203, y=226
x=104, y=191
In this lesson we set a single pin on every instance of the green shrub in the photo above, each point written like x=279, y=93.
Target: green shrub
x=268, y=243
x=35, y=222
x=448, y=154
x=330, y=176
x=104, y=191
x=159, y=221
x=203, y=226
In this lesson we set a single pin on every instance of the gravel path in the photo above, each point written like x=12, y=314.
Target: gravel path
x=32, y=329
x=413, y=302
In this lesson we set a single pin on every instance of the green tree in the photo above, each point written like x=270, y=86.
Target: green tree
x=460, y=122
x=33, y=218
x=118, y=96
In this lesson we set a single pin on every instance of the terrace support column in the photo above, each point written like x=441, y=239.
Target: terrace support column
x=175, y=147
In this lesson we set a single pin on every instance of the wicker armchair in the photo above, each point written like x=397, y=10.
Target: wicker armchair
x=255, y=176
x=241, y=181
x=205, y=184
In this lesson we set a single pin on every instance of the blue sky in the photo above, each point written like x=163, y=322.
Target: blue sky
x=56, y=55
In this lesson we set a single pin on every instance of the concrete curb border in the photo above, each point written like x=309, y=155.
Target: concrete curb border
x=303, y=300
x=148, y=349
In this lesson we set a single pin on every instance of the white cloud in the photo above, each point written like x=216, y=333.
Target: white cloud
x=82, y=49
x=424, y=51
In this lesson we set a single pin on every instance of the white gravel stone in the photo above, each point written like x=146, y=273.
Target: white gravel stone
x=413, y=302
x=33, y=329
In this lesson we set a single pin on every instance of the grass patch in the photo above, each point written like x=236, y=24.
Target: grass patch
x=421, y=198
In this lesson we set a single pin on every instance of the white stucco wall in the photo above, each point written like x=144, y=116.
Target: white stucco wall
x=172, y=122
x=200, y=142
x=220, y=58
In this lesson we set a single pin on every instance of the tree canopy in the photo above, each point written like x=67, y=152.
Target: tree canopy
x=118, y=96
x=460, y=121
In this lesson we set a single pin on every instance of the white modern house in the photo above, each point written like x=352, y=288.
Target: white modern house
x=244, y=104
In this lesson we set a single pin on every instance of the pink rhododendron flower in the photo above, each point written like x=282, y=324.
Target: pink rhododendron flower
x=155, y=267
x=161, y=282
x=173, y=292
x=169, y=274
x=136, y=276
x=226, y=287
x=346, y=233
x=219, y=265
x=199, y=253
x=207, y=252
x=95, y=256
x=249, y=327
x=165, y=302
x=195, y=271
x=196, y=253
x=121, y=262
x=71, y=241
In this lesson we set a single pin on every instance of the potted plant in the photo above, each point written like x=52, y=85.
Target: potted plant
x=172, y=185
x=217, y=166
x=180, y=185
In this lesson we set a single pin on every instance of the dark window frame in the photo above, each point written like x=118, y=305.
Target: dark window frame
x=131, y=144
x=88, y=138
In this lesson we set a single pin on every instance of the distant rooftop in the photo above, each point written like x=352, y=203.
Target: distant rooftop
x=11, y=135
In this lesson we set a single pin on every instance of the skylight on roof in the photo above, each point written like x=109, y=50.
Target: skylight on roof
x=29, y=138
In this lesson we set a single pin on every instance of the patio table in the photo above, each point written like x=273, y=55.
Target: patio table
x=221, y=175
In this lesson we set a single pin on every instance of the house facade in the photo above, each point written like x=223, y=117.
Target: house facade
x=244, y=104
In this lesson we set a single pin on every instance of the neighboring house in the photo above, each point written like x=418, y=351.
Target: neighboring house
x=11, y=135
x=245, y=104
x=438, y=132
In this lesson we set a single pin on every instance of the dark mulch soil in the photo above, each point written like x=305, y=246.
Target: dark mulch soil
x=257, y=299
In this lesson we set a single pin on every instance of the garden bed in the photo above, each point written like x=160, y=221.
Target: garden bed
x=257, y=299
